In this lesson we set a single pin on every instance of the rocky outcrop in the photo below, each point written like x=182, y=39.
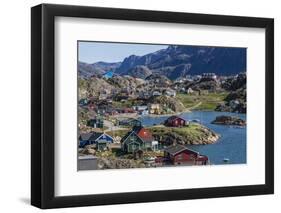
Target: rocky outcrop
x=194, y=134
x=235, y=83
x=229, y=120
x=168, y=102
x=139, y=72
x=234, y=102
x=125, y=82
x=93, y=87
x=118, y=163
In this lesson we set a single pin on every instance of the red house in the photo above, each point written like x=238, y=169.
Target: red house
x=179, y=154
x=143, y=133
x=175, y=121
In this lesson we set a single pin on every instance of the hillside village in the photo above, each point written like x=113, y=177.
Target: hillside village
x=110, y=106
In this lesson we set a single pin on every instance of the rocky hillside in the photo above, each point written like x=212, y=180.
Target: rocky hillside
x=139, y=72
x=96, y=69
x=174, y=62
x=168, y=102
x=125, y=82
x=236, y=101
x=92, y=87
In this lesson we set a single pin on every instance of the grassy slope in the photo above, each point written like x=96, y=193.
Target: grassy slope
x=192, y=132
x=208, y=102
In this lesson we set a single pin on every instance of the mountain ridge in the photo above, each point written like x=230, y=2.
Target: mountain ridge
x=177, y=61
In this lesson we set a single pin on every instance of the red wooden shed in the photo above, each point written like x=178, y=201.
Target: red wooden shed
x=179, y=154
x=175, y=121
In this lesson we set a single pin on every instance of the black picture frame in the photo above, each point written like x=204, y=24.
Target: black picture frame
x=43, y=111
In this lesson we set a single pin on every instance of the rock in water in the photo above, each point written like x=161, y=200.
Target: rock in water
x=229, y=120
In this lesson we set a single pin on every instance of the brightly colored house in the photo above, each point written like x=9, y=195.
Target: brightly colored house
x=100, y=139
x=139, y=138
x=179, y=154
x=175, y=121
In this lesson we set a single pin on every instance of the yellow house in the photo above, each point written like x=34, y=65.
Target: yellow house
x=154, y=109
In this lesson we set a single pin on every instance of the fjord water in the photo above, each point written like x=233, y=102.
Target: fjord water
x=232, y=142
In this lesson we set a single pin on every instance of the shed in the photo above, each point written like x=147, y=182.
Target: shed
x=179, y=154
x=175, y=121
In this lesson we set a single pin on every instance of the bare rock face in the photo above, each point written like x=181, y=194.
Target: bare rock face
x=170, y=102
x=229, y=120
x=89, y=150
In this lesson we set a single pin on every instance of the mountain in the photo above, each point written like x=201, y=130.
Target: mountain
x=178, y=61
x=173, y=62
x=99, y=68
x=139, y=71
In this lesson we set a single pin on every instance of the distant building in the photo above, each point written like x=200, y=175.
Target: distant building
x=196, y=77
x=154, y=109
x=96, y=122
x=179, y=154
x=100, y=139
x=137, y=139
x=129, y=122
x=170, y=92
x=108, y=75
x=140, y=108
x=144, y=94
x=209, y=76
x=144, y=112
x=156, y=93
x=175, y=121
x=83, y=101
x=189, y=91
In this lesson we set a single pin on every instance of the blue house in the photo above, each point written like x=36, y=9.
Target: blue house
x=108, y=75
x=100, y=139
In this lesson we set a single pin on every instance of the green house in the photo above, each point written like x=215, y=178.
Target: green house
x=95, y=122
x=138, y=138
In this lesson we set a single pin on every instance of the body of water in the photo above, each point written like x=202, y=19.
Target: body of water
x=231, y=145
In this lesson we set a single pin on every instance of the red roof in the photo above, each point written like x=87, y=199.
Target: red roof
x=174, y=117
x=143, y=133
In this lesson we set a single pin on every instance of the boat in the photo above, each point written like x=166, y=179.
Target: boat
x=226, y=160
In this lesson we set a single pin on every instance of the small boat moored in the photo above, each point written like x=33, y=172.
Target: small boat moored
x=226, y=160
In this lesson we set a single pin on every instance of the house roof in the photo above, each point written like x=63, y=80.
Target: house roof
x=137, y=130
x=175, y=149
x=143, y=133
x=96, y=135
x=174, y=117
x=85, y=136
x=92, y=136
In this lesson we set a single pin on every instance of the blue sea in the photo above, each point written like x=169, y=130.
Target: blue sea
x=231, y=145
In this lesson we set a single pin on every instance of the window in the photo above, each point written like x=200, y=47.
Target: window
x=179, y=157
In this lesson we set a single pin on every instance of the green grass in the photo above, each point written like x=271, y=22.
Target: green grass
x=192, y=129
x=208, y=101
x=190, y=132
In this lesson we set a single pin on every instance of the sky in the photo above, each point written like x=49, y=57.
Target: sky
x=91, y=52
